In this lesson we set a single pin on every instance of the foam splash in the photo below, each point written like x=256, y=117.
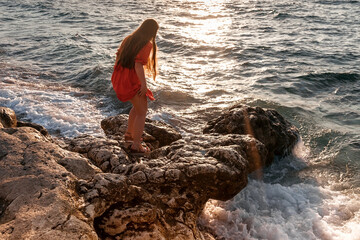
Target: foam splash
x=62, y=110
x=285, y=207
x=276, y=212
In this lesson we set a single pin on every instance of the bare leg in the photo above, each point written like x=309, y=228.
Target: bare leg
x=140, y=109
x=131, y=120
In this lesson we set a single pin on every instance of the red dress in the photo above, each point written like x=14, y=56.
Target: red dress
x=126, y=82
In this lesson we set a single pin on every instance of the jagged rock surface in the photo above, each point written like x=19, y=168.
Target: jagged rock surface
x=163, y=195
x=156, y=197
x=175, y=181
x=37, y=188
x=268, y=126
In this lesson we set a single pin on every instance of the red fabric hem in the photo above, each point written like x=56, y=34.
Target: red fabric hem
x=149, y=94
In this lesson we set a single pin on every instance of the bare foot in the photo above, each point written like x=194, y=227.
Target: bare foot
x=139, y=148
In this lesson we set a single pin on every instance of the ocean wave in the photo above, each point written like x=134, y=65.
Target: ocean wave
x=342, y=86
x=345, y=117
x=24, y=73
x=56, y=63
x=327, y=2
x=330, y=79
x=282, y=16
x=62, y=110
x=177, y=97
x=216, y=92
x=276, y=212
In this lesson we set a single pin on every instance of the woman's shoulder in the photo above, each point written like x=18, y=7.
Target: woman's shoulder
x=147, y=48
x=143, y=54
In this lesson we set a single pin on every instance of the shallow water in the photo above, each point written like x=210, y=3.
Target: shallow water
x=300, y=58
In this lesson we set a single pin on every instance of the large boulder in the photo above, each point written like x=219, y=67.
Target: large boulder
x=266, y=125
x=163, y=195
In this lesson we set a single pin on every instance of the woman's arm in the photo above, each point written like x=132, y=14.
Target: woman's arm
x=139, y=69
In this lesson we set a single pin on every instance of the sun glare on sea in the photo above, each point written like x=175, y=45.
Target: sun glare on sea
x=206, y=21
x=206, y=26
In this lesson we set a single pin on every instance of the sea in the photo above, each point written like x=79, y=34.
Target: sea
x=301, y=58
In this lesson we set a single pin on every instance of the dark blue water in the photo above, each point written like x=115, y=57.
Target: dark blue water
x=300, y=58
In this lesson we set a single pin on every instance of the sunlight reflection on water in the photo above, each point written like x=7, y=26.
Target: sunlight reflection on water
x=298, y=57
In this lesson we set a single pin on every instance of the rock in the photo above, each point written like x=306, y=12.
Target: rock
x=80, y=167
x=162, y=132
x=176, y=181
x=38, y=198
x=105, y=153
x=157, y=134
x=8, y=120
x=115, y=125
x=163, y=195
x=268, y=126
x=7, y=117
x=38, y=127
x=93, y=189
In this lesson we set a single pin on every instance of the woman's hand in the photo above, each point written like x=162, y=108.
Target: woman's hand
x=143, y=90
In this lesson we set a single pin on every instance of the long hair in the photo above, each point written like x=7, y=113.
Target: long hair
x=133, y=43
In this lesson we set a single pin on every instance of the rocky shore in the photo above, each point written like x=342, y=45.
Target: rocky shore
x=91, y=188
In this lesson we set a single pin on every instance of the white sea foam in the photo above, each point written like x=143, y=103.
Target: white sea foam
x=57, y=108
x=276, y=212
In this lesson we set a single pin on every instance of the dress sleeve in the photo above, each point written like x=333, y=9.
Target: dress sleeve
x=143, y=55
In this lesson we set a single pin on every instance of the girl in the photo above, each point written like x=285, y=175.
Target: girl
x=128, y=78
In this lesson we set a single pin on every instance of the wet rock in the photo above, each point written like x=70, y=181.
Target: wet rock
x=7, y=117
x=266, y=125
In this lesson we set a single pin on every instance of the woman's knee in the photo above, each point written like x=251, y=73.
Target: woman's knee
x=140, y=111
